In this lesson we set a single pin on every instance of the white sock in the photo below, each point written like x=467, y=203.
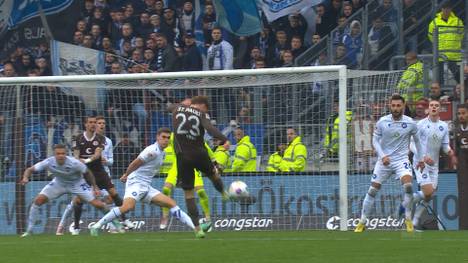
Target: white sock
x=32, y=216
x=407, y=201
x=419, y=210
x=66, y=214
x=418, y=196
x=366, y=207
x=182, y=216
x=111, y=215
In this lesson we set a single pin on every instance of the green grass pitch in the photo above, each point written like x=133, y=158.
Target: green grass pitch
x=242, y=247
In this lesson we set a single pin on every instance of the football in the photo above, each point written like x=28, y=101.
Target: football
x=238, y=189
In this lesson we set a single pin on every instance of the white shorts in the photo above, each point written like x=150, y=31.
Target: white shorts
x=55, y=189
x=140, y=191
x=398, y=168
x=429, y=175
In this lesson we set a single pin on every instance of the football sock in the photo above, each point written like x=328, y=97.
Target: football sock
x=166, y=191
x=192, y=210
x=77, y=209
x=418, y=196
x=368, y=203
x=419, y=210
x=204, y=203
x=32, y=215
x=182, y=216
x=66, y=213
x=367, y=207
x=111, y=215
x=218, y=184
x=408, y=199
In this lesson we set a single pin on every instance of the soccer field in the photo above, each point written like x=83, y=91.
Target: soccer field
x=242, y=247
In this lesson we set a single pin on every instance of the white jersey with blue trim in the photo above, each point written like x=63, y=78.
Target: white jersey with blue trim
x=392, y=137
x=152, y=157
x=433, y=136
x=109, y=155
x=69, y=173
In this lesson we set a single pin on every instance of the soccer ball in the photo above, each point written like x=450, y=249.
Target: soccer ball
x=238, y=189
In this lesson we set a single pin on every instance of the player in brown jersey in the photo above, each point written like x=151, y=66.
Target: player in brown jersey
x=461, y=146
x=88, y=147
x=189, y=121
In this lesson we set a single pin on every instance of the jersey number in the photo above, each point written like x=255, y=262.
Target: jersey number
x=194, y=130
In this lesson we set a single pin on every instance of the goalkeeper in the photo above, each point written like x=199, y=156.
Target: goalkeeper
x=171, y=181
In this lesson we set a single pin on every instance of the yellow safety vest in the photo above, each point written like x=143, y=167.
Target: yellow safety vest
x=245, y=156
x=295, y=157
x=332, y=138
x=411, y=85
x=222, y=157
x=274, y=162
x=450, y=36
x=170, y=157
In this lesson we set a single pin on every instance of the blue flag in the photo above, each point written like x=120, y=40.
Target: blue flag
x=19, y=11
x=239, y=17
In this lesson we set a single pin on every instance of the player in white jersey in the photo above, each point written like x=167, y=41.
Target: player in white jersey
x=70, y=176
x=138, y=179
x=391, y=141
x=433, y=135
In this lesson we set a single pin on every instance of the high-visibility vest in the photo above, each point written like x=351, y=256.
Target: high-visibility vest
x=245, y=156
x=450, y=36
x=223, y=159
x=411, y=85
x=274, y=162
x=294, y=157
x=332, y=137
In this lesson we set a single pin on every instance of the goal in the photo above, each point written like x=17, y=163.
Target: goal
x=38, y=112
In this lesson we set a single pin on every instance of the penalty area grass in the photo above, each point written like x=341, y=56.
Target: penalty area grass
x=242, y=247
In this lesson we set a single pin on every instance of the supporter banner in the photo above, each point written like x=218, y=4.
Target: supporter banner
x=239, y=17
x=22, y=10
x=275, y=9
x=279, y=202
x=68, y=59
x=30, y=33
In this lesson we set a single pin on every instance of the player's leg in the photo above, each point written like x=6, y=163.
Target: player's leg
x=65, y=215
x=155, y=197
x=185, y=173
x=205, y=166
x=38, y=201
x=428, y=184
x=407, y=183
x=367, y=205
x=204, y=201
x=202, y=195
x=127, y=205
x=77, y=210
x=51, y=191
x=380, y=174
x=119, y=202
x=169, y=184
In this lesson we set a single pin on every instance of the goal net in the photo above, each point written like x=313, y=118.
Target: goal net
x=36, y=113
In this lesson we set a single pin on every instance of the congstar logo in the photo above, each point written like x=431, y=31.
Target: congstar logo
x=241, y=223
x=333, y=223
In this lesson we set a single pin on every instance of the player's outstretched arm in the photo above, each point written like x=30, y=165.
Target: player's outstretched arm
x=135, y=164
x=27, y=173
x=89, y=177
x=212, y=130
